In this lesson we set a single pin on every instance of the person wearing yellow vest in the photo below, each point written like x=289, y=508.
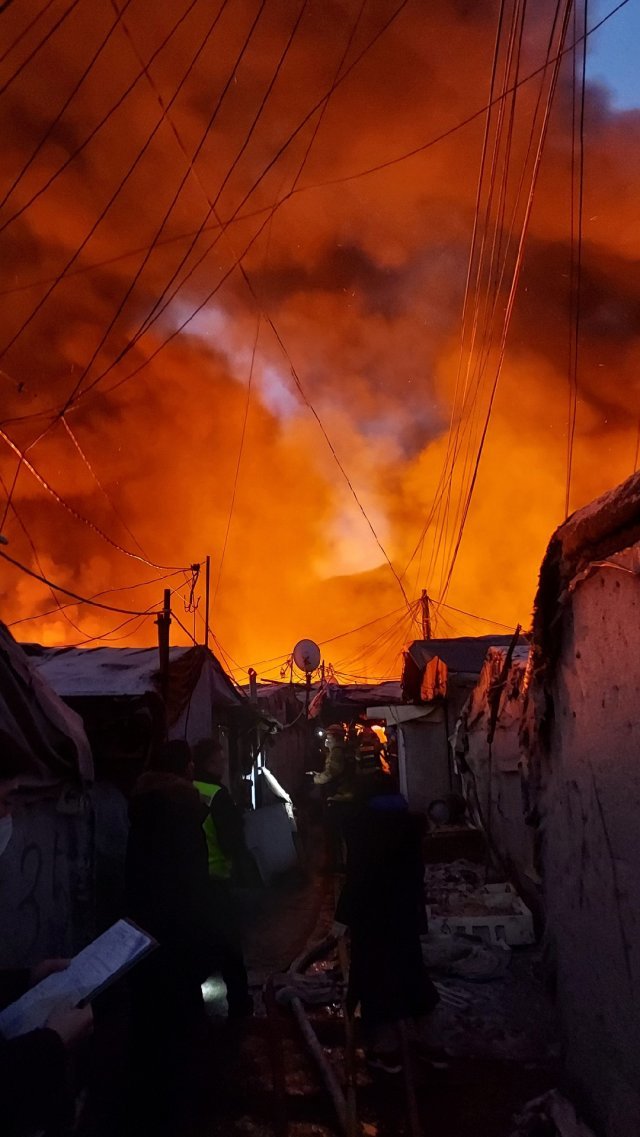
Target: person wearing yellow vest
x=226, y=849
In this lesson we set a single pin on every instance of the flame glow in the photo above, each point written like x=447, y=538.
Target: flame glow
x=197, y=450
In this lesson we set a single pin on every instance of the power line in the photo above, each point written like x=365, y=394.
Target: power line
x=191, y=161
x=66, y=591
x=484, y=310
x=104, y=592
x=300, y=189
x=81, y=270
x=453, y=436
x=240, y=206
x=24, y=461
x=25, y=31
x=576, y=257
x=474, y=615
x=249, y=284
x=464, y=122
x=510, y=302
x=60, y=607
x=109, y=636
x=103, y=213
x=239, y=461
x=52, y=125
x=176, y=195
x=443, y=491
x=25, y=63
x=95, y=130
x=99, y=484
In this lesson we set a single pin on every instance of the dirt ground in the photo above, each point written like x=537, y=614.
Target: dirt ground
x=493, y=1049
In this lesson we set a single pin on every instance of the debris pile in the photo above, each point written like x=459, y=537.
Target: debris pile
x=458, y=900
x=550, y=1116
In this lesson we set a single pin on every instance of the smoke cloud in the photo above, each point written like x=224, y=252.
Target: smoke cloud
x=350, y=300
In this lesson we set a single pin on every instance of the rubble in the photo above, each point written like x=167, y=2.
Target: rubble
x=464, y=956
x=550, y=1116
x=458, y=899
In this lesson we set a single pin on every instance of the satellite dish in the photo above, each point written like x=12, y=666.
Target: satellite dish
x=306, y=656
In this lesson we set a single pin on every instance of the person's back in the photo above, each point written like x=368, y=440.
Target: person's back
x=166, y=866
x=382, y=903
x=227, y=856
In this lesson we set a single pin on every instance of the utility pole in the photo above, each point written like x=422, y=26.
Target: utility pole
x=425, y=605
x=164, y=623
x=253, y=686
x=207, y=593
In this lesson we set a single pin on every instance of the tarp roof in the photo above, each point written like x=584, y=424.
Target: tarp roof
x=37, y=729
x=120, y=671
x=356, y=694
x=464, y=654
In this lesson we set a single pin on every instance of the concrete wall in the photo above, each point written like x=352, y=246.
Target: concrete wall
x=591, y=826
x=495, y=783
x=46, y=882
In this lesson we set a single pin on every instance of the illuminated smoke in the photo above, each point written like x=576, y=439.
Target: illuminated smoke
x=364, y=282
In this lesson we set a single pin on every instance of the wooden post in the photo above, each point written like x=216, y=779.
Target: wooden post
x=207, y=594
x=164, y=623
x=425, y=605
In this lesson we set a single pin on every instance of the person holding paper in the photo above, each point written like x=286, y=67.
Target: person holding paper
x=35, y=1087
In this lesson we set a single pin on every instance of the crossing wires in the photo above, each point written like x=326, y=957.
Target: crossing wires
x=504, y=201
x=238, y=260
x=577, y=209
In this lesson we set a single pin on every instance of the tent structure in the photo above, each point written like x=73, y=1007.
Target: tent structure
x=46, y=874
x=36, y=727
x=196, y=684
x=427, y=663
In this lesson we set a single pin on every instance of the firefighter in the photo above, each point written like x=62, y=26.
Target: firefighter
x=368, y=753
x=227, y=851
x=335, y=783
x=336, y=777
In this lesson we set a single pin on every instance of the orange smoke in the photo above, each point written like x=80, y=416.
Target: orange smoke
x=187, y=448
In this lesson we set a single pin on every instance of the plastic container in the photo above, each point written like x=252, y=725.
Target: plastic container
x=507, y=919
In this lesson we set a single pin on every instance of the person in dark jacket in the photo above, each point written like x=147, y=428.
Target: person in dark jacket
x=36, y=1089
x=167, y=893
x=228, y=858
x=382, y=904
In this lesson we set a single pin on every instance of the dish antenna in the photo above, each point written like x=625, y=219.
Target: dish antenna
x=306, y=656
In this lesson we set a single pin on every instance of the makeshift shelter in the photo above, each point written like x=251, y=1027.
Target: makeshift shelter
x=46, y=872
x=128, y=711
x=43, y=735
x=584, y=743
x=493, y=765
x=437, y=677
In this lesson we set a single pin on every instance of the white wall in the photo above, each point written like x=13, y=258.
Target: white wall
x=426, y=760
x=494, y=787
x=591, y=851
x=46, y=883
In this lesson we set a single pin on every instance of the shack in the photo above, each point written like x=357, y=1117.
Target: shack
x=437, y=678
x=117, y=691
x=584, y=742
x=46, y=873
x=127, y=714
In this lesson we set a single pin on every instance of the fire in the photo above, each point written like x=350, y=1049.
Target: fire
x=197, y=439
